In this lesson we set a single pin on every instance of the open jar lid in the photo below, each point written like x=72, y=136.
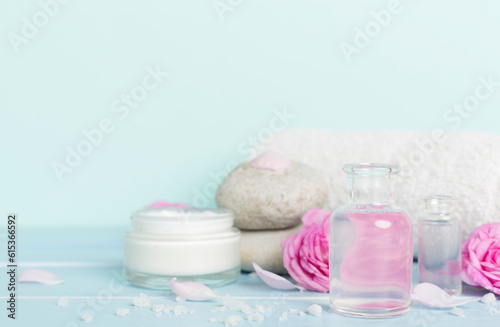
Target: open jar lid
x=182, y=220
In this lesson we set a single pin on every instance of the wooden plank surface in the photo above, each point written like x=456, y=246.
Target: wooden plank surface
x=89, y=260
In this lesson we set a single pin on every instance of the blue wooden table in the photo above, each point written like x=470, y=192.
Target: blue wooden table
x=89, y=260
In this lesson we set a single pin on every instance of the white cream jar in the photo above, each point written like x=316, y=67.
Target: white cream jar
x=188, y=243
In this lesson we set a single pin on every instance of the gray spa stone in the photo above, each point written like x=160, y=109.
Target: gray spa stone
x=266, y=199
x=264, y=248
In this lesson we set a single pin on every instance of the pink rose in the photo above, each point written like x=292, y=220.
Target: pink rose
x=481, y=258
x=305, y=255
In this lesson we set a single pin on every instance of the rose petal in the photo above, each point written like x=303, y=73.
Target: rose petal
x=305, y=255
x=271, y=161
x=305, y=279
x=493, y=278
x=315, y=216
x=273, y=280
x=482, y=249
x=466, y=278
x=192, y=291
x=161, y=204
x=39, y=276
x=435, y=297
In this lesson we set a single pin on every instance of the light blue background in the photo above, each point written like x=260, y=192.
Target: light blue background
x=226, y=79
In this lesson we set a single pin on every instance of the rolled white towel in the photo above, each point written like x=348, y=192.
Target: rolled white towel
x=463, y=164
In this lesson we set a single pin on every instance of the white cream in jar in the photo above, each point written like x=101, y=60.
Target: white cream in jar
x=188, y=243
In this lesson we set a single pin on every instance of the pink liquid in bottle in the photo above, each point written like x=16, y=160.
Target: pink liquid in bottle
x=371, y=255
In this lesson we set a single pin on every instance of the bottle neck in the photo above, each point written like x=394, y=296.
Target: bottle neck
x=369, y=189
x=440, y=205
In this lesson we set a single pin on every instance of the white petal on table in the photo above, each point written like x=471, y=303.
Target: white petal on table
x=433, y=296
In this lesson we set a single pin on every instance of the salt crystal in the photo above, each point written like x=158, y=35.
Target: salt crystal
x=231, y=303
x=315, y=310
x=284, y=302
x=191, y=311
x=492, y=310
x=87, y=317
x=217, y=309
x=158, y=314
x=293, y=310
x=302, y=313
x=252, y=274
x=142, y=301
x=262, y=308
x=233, y=320
x=284, y=316
x=212, y=319
x=122, y=312
x=158, y=307
x=246, y=309
x=489, y=298
x=255, y=317
x=259, y=308
x=180, y=299
x=63, y=302
x=180, y=309
x=457, y=312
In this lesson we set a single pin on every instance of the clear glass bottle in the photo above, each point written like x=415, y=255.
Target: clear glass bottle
x=371, y=247
x=439, y=244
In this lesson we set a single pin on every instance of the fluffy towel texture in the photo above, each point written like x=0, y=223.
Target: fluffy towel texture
x=464, y=164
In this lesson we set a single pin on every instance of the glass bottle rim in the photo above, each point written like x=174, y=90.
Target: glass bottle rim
x=371, y=169
x=440, y=201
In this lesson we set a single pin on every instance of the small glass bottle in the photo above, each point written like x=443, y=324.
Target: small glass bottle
x=439, y=244
x=371, y=247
